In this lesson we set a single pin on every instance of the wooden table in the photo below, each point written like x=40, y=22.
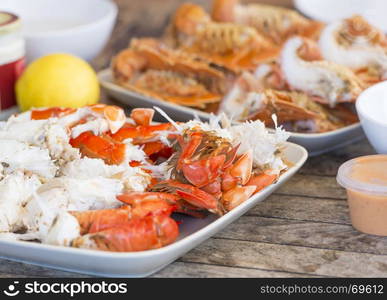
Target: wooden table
x=303, y=230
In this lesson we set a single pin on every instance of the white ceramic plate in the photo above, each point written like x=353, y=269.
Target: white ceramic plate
x=316, y=144
x=138, y=264
x=332, y=10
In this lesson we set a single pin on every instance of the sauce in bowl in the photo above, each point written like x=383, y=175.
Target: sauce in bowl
x=365, y=179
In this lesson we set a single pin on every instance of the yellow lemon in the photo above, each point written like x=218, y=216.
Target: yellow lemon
x=57, y=80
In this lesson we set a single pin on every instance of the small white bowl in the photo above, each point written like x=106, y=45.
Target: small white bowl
x=371, y=107
x=81, y=28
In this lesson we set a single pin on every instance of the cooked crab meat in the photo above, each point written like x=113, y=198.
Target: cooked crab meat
x=356, y=44
x=16, y=155
x=65, y=193
x=15, y=189
x=31, y=132
x=48, y=134
x=133, y=178
x=329, y=82
x=57, y=142
x=265, y=146
x=63, y=230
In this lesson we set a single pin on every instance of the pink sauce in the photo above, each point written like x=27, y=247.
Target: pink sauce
x=365, y=179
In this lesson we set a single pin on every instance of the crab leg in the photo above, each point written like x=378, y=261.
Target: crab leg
x=202, y=172
x=189, y=148
x=150, y=232
x=262, y=180
x=193, y=195
x=236, y=196
x=97, y=220
x=54, y=112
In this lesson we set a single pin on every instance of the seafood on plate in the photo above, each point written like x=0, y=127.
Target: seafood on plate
x=151, y=68
x=275, y=23
x=295, y=111
x=233, y=46
x=358, y=45
x=304, y=70
x=92, y=178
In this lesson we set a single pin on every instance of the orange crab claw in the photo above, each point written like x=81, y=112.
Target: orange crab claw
x=243, y=167
x=138, y=234
x=214, y=188
x=204, y=171
x=189, y=148
x=262, y=180
x=142, y=116
x=199, y=199
x=228, y=181
x=230, y=157
x=236, y=196
x=149, y=203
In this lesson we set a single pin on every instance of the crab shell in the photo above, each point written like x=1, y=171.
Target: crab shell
x=275, y=23
x=233, y=46
x=149, y=67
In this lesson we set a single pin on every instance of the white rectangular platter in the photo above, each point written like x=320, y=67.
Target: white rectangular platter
x=316, y=144
x=139, y=264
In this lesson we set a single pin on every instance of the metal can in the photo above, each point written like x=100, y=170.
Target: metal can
x=12, y=57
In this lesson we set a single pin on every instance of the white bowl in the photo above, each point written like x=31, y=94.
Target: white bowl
x=371, y=107
x=332, y=10
x=78, y=27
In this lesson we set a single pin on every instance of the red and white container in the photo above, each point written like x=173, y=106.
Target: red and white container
x=12, y=58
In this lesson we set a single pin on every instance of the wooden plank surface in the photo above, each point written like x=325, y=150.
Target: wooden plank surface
x=303, y=230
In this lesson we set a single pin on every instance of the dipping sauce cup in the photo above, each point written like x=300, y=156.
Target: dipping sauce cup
x=365, y=179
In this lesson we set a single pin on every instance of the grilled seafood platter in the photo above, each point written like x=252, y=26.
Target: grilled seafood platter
x=250, y=61
x=93, y=178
